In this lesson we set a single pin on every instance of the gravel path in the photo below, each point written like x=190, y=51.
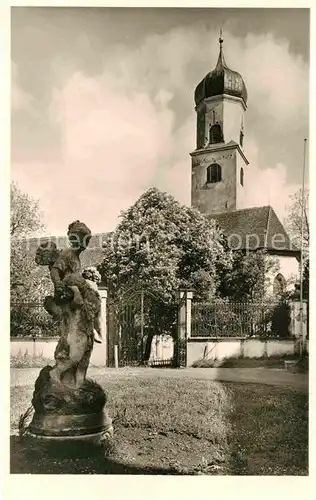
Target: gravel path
x=274, y=377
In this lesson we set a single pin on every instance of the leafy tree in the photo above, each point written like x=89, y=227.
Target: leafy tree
x=293, y=222
x=27, y=280
x=247, y=282
x=160, y=246
x=248, y=277
x=293, y=225
x=25, y=219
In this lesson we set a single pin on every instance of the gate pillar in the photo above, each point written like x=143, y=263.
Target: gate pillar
x=298, y=327
x=184, y=298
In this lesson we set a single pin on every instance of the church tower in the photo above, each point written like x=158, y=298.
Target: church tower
x=219, y=165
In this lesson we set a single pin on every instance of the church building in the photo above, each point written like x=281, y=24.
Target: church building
x=220, y=173
x=220, y=178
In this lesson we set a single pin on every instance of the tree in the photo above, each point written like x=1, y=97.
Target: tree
x=26, y=278
x=248, y=277
x=293, y=221
x=25, y=219
x=293, y=224
x=161, y=245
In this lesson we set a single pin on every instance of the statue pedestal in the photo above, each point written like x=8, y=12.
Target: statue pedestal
x=69, y=419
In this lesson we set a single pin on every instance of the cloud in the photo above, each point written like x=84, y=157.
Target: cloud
x=19, y=98
x=270, y=187
x=277, y=80
x=133, y=125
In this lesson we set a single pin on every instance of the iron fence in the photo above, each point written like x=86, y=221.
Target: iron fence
x=30, y=319
x=240, y=319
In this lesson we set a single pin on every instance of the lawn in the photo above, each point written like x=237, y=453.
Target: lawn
x=185, y=426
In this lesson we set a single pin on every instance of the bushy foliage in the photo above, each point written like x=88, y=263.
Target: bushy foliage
x=25, y=218
x=293, y=222
x=162, y=245
x=248, y=277
x=28, y=281
x=28, y=320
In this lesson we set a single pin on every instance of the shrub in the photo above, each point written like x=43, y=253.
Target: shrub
x=31, y=319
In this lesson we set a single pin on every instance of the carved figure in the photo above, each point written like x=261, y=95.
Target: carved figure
x=75, y=303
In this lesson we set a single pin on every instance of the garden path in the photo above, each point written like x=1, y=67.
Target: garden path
x=267, y=376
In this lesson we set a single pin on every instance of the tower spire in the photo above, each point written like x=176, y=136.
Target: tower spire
x=221, y=60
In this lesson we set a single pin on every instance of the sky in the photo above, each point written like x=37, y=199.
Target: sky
x=102, y=104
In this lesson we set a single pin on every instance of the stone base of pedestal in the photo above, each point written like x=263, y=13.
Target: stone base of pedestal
x=68, y=419
x=69, y=425
x=69, y=435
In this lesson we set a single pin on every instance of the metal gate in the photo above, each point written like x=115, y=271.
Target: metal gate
x=133, y=322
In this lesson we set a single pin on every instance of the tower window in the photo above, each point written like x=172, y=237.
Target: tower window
x=216, y=134
x=242, y=176
x=214, y=173
x=241, y=138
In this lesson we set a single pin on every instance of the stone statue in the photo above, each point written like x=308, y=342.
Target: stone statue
x=75, y=304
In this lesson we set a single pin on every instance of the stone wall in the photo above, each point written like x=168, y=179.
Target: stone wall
x=45, y=347
x=221, y=349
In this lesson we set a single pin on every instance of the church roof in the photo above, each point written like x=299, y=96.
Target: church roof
x=251, y=228
x=255, y=228
x=222, y=80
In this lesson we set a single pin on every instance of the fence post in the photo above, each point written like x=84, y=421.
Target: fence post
x=104, y=295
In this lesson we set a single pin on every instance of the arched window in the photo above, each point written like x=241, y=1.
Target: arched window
x=216, y=134
x=242, y=176
x=214, y=173
x=279, y=285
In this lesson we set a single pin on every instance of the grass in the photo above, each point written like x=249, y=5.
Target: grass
x=185, y=426
x=269, y=431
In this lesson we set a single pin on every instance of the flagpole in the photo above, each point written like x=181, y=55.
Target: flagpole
x=302, y=257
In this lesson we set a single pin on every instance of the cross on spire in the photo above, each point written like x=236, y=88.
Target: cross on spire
x=221, y=61
x=220, y=38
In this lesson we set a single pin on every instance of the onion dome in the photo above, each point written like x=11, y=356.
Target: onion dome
x=221, y=80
